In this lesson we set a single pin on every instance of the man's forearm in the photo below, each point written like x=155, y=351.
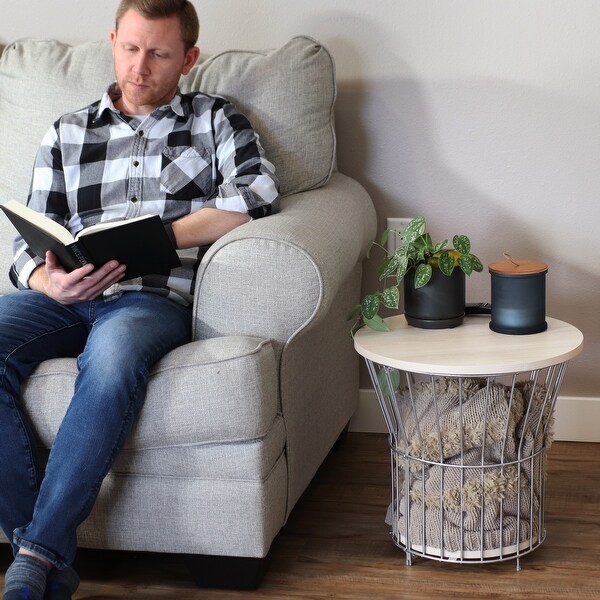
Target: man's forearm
x=206, y=226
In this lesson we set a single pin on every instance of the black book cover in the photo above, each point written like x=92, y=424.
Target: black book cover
x=141, y=244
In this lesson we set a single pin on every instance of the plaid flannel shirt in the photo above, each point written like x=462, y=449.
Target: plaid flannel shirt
x=96, y=165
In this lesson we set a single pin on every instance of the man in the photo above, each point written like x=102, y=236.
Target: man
x=143, y=148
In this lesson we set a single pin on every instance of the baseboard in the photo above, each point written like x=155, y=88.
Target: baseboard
x=576, y=418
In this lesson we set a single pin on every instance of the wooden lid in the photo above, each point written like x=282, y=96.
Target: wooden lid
x=518, y=266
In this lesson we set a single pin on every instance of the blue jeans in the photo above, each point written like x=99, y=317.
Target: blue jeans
x=116, y=342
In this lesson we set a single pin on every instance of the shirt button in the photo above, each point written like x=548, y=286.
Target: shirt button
x=141, y=133
x=134, y=199
x=136, y=163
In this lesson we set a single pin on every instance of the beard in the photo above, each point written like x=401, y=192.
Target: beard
x=146, y=95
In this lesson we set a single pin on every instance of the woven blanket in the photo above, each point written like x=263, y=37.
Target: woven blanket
x=474, y=466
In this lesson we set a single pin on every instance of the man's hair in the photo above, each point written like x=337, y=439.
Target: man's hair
x=156, y=9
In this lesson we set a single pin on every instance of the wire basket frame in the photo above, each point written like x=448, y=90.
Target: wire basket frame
x=468, y=458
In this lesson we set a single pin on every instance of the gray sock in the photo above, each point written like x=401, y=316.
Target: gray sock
x=61, y=584
x=25, y=579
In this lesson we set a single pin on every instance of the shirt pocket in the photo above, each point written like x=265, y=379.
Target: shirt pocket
x=186, y=170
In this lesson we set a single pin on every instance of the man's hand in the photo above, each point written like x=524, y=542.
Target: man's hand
x=80, y=285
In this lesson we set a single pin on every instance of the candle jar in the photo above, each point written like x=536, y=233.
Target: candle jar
x=518, y=296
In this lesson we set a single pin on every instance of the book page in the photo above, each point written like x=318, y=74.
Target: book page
x=57, y=231
x=109, y=225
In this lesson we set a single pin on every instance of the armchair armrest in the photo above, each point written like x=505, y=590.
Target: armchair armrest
x=292, y=278
x=271, y=277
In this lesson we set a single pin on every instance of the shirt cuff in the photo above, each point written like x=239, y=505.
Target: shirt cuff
x=170, y=234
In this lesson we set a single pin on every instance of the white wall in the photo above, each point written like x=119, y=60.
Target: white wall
x=484, y=116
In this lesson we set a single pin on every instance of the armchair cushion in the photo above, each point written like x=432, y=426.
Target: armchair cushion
x=40, y=80
x=295, y=120
x=235, y=401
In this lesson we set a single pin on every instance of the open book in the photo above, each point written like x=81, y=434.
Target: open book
x=141, y=243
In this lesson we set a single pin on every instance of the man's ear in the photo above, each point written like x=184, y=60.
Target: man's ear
x=191, y=57
x=113, y=39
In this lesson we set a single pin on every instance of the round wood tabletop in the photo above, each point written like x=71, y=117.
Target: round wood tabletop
x=469, y=349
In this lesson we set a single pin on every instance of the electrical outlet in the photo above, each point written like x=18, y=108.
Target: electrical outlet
x=396, y=227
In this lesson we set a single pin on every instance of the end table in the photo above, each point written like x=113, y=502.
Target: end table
x=469, y=414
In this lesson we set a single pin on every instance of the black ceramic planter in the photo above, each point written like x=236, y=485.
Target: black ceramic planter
x=438, y=305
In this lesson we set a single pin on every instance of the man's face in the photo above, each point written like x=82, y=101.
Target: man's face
x=149, y=58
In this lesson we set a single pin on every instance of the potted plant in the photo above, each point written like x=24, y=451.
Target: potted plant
x=434, y=280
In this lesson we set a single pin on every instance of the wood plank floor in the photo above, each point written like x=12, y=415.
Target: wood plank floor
x=336, y=544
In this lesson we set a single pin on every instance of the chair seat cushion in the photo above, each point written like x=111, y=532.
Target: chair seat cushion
x=205, y=392
x=245, y=460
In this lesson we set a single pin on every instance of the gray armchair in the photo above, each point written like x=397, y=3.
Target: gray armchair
x=237, y=422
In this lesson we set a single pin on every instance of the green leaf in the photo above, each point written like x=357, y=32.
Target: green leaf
x=376, y=323
x=414, y=229
x=477, y=266
x=446, y=263
x=440, y=246
x=424, y=243
x=423, y=274
x=389, y=267
x=370, y=306
x=384, y=237
x=391, y=297
x=412, y=251
x=466, y=264
x=462, y=244
x=383, y=380
x=402, y=267
x=421, y=249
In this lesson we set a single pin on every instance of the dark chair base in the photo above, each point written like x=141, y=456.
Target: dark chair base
x=227, y=572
